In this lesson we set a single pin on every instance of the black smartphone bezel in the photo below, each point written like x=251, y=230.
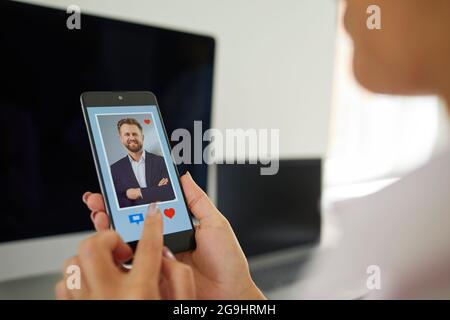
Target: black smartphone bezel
x=178, y=241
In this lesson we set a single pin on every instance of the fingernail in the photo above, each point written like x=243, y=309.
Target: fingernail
x=93, y=214
x=86, y=196
x=152, y=210
x=168, y=254
x=188, y=174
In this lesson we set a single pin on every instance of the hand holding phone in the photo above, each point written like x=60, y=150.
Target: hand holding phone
x=134, y=164
x=217, y=256
x=224, y=276
x=102, y=279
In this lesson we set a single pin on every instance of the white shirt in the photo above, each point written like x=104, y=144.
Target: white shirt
x=139, y=170
x=403, y=229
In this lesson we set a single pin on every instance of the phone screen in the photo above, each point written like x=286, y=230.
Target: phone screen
x=134, y=161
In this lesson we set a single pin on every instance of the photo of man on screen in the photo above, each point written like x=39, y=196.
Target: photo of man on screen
x=140, y=177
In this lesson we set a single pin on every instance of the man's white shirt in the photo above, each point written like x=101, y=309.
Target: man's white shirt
x=139, y=170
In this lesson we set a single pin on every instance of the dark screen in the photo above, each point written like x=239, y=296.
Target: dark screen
x=47, y=162
x=272, y=212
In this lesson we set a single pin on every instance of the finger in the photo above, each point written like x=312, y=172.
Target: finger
x=198, y=201
x=147, y=258
x=100, y=220
x=164, y=289
x=96, y=255
x=68, y=262
x=94, y=201
x=61, y=292
x=166, y=181
x=179, y=277
x=128, y=194
x=86, y=196
x=122, y=254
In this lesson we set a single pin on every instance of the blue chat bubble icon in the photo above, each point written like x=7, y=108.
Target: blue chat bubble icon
x=136, y=218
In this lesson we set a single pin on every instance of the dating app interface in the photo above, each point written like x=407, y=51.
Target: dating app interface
x=136, y=167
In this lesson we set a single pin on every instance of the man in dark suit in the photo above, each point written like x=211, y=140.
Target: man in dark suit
x=140, y=177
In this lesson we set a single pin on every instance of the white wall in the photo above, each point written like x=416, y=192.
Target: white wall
x=274, y=60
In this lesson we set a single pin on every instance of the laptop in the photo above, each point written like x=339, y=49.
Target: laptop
x=276, y=218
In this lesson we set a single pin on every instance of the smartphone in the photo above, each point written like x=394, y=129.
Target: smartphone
x=134, y=165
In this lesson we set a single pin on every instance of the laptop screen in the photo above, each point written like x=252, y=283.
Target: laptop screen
x=272, y=212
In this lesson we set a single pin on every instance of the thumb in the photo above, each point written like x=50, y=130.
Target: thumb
x=198, y=202
x=179, y=277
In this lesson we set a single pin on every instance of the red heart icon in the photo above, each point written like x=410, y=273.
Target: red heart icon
x=147, y=121
x=169, y=213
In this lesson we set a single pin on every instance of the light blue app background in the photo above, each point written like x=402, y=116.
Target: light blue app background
x=128, y=221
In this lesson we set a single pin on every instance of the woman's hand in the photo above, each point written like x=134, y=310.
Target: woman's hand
x=220, y=268
x=155, y=274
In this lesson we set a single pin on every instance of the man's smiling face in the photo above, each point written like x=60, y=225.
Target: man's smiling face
x=131, y=137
